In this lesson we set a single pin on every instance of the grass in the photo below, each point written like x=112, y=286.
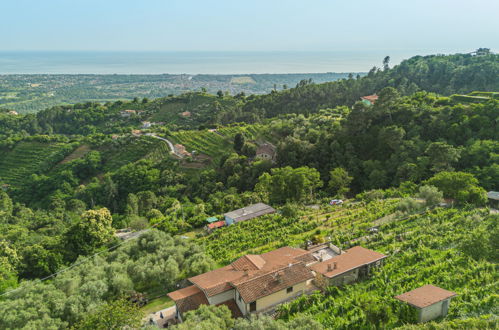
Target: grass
x=123, y=152
x=157, y=305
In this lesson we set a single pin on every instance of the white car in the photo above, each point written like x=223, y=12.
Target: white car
x=336, y=202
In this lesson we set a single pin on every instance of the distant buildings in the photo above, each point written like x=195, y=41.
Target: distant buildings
x=185, y=114
x=266, y=151
x=13, y=113
x=430, y=301
x=180, y=150
x=248, y=212
x=369, y=99
x=127, y=113
x=258, y=283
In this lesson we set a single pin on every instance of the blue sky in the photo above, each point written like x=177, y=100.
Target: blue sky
x=249, y=25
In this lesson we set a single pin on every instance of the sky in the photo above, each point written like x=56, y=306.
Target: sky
x=439, y=26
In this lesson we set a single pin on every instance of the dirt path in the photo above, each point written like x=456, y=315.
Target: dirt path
x=170, y=144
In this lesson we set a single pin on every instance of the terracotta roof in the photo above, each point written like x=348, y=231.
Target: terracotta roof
x=250, y=212
x=351, y=259
x=370, y=98
x=425, y=296
x=249, y=262
x=188, y=298
x=217, y=224
x=245, y=269
x=234, y=309
x=272, y=282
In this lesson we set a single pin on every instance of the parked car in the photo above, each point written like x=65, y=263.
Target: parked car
x=335, y=202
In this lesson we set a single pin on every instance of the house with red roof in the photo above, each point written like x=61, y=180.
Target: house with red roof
x=259, y=283
x=369, y=99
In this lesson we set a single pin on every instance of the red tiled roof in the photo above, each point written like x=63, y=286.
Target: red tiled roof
x=370, y=98
x=245, y=269
x=264, y=285
x=351, y=259
x=217, y=224
x=425, y=296
x=188, y=298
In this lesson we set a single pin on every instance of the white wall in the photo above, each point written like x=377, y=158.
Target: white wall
x=431, y=312
x=220, y=298
x=241, y=304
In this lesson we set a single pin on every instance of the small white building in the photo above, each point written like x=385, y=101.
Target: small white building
x=430, y=301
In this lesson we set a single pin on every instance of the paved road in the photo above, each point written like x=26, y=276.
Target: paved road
x=170, y=144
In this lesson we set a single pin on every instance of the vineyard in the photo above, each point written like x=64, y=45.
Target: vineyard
x=29, y=157
x=270, y=232
x=125, y=151
x=422, y=249
x=214, y=143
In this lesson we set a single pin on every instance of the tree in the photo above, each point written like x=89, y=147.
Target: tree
x=116, y=315
x=220, y=93
x=339, y=181
x=238, y=142
x=442, y=156
x=93, y=231
x=463, y=187
x=431, y=195
x=207, y=317
x=386, y=63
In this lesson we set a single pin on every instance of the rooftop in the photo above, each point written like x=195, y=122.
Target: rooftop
x=425, y=296
x=188, y=298
x=370, y=98
x=247, y=268
x=351, y=259
x=217, y=224
x=264, y=285
x=250, y=212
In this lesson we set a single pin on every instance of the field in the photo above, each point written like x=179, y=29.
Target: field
x=129, y=150
x=423, y=249
x=273, y=231
x=29, y=157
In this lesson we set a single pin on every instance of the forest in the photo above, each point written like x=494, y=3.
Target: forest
x=72, y=176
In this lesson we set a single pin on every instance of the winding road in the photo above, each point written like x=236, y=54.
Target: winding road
x=170, y=144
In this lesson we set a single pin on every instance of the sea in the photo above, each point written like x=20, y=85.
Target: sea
x=138, y=62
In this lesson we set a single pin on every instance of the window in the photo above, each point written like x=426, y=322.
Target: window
x=239, y=296
x=253, y=306
x=289, y=290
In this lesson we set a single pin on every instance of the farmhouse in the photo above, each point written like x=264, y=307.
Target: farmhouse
x=252, y=283
x=430, y=301
x=354, y=264
x=493, y=197
x=258, y=283
x=369, y=99
x=266, y=151
x=185, y=114
x=127, y=113
x=248, y=212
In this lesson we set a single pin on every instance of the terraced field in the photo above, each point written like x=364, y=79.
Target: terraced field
x=214, y=143
x=129, y=151
x=28, y=158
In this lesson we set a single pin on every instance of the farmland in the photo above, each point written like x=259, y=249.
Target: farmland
x=29, y=157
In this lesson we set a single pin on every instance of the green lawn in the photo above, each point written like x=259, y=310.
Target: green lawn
x=157, y=305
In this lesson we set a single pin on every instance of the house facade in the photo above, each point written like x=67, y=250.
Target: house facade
x=429, y=301
x=258, y=283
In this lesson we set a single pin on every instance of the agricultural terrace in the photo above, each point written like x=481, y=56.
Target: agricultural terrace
x=427, y=248
x=30, y=157
x=214, y=143
x=269, y=232
x=128, y=150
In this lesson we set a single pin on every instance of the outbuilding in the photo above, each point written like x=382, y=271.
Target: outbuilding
x=430, y=301
x=248, y=212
